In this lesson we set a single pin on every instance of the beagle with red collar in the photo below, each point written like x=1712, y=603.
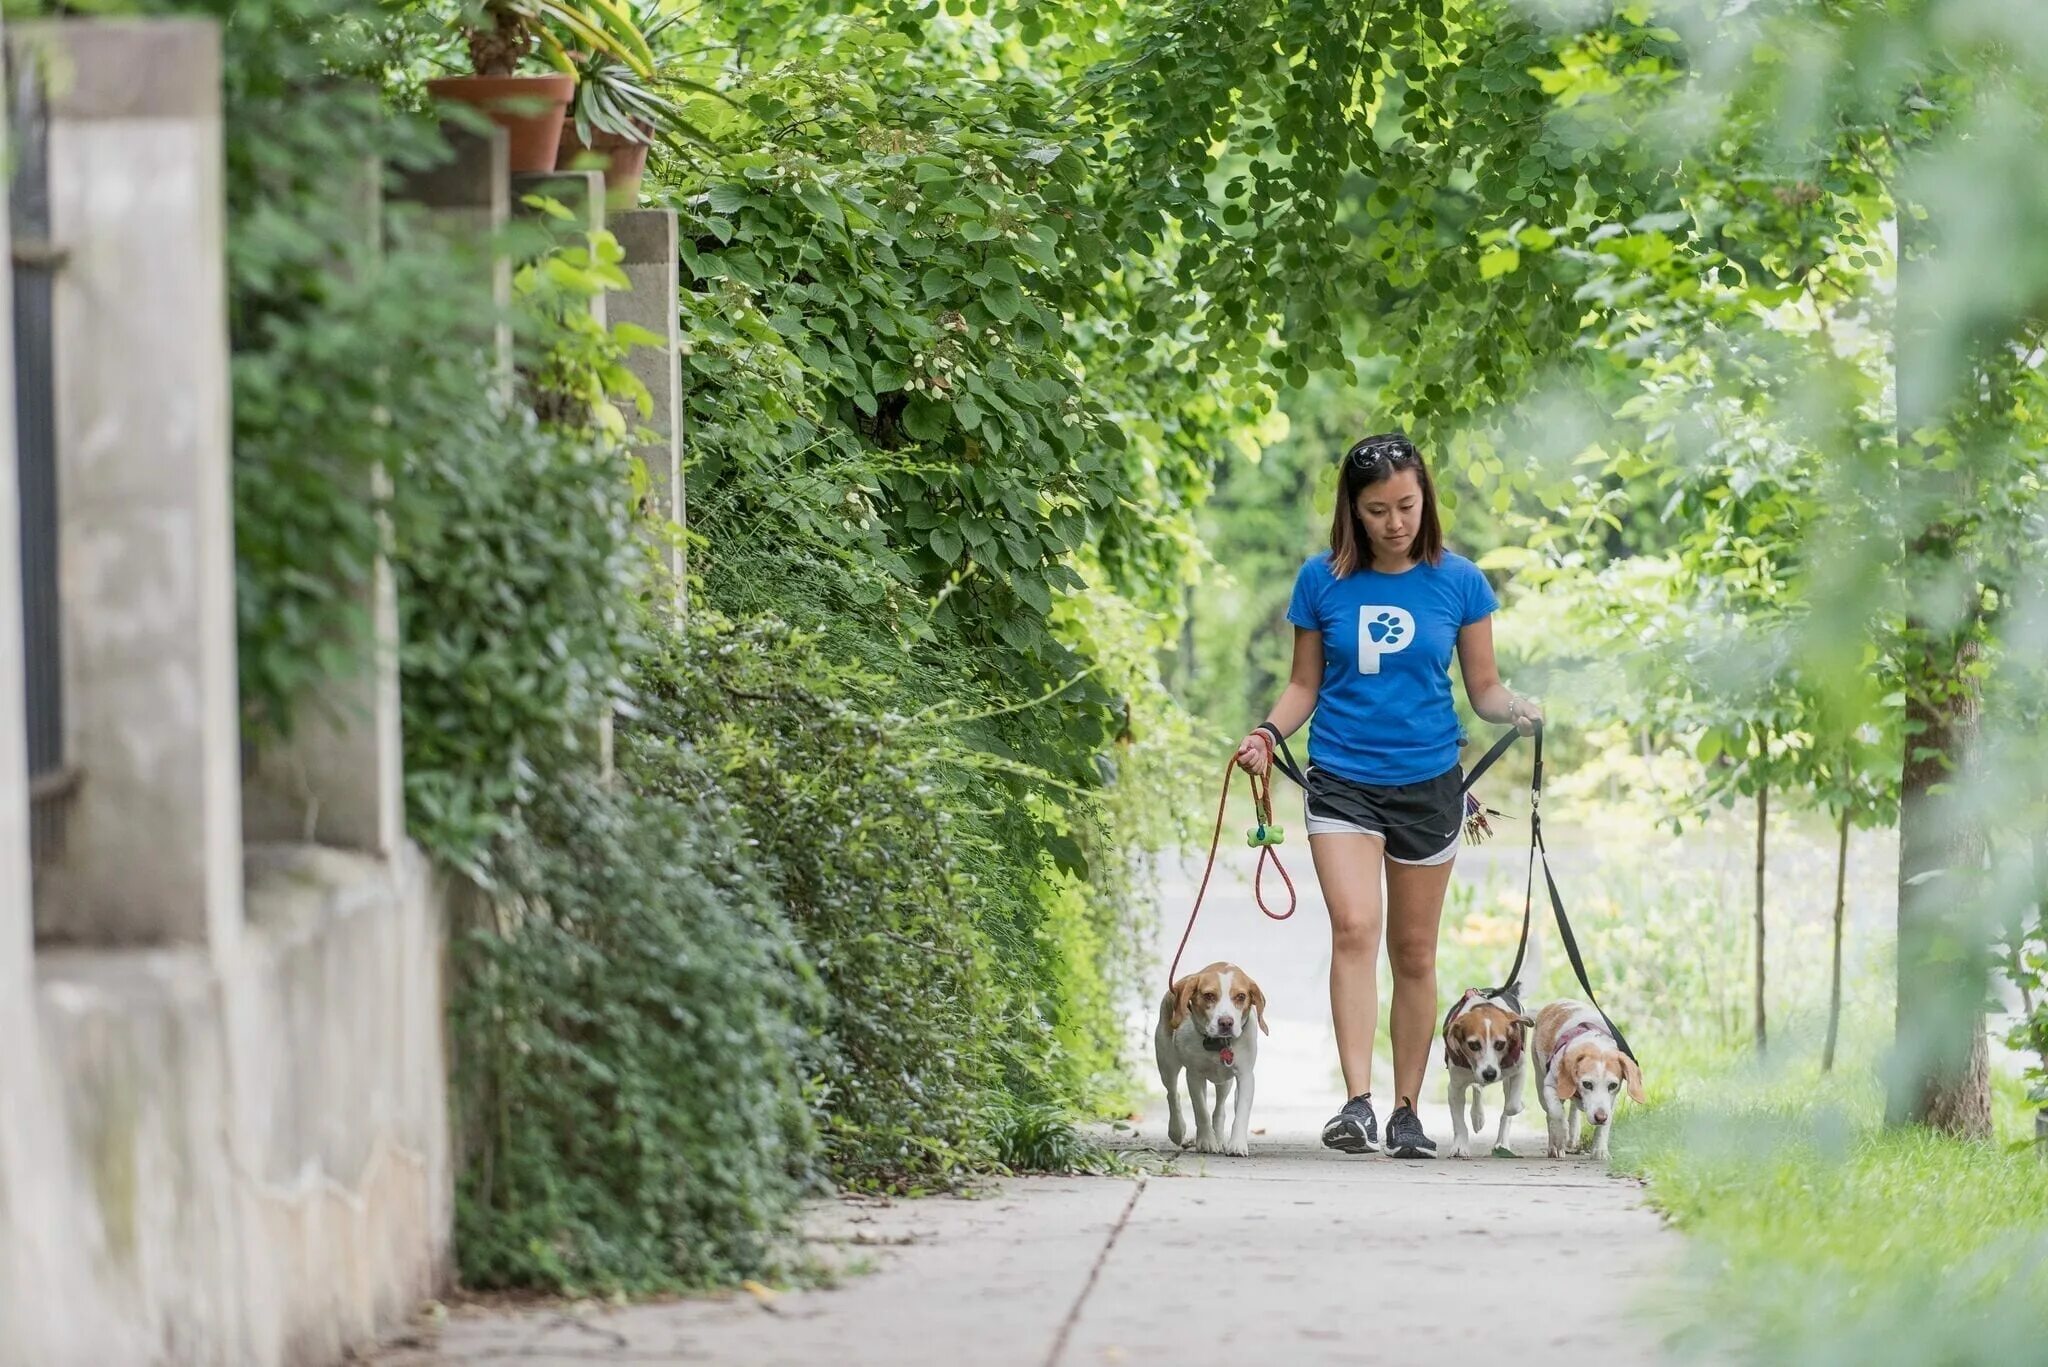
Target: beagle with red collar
x=1209, y=1027
x=1485, y=1034
x=1581, y=1070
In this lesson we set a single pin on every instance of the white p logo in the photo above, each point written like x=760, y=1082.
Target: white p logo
x=1382, y=631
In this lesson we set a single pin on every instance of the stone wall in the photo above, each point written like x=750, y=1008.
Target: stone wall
x=223, y=1102
x=224, y=1132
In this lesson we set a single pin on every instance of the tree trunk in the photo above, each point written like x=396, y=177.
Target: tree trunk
x=1827, y=1053
x=1763, y=812
x=1941, y=1075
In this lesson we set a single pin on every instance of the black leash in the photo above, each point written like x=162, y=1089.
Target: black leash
x=1283, y=760
x=1539, y=851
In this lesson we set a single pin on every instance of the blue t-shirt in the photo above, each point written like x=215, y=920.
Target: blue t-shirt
x=1384, y=714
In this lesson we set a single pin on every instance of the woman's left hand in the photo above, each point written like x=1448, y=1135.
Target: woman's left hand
x=1525, y=713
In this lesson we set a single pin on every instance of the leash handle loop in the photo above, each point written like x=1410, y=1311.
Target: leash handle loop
x=1262, y=799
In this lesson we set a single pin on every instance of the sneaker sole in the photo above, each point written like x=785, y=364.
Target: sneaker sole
x=1411, y=1153
x=1350, y=1143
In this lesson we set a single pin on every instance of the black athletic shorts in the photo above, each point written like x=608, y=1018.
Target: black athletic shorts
x=1419, y=822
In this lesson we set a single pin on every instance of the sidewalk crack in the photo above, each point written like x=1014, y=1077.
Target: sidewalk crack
x=1059, y=1343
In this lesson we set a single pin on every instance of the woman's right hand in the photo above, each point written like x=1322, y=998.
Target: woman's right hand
x=1255, y=751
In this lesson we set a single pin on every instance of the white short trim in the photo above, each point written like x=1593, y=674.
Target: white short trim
x=1330, y=825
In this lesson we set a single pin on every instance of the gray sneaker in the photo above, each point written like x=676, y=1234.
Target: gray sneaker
x=1354, y=1129
x=1405, y=1138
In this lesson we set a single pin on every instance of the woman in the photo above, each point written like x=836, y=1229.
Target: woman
x=1375, y=620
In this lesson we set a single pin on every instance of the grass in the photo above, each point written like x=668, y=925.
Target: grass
x=1820, y=1237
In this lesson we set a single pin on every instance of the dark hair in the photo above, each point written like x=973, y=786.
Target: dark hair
x=1374, y=461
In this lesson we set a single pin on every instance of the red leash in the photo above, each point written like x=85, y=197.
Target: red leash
x=1262, y=802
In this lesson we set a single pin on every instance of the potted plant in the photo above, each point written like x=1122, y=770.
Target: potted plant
x=618, y=112
x=502, y=35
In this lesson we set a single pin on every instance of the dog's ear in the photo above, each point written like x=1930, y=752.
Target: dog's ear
x=1181, y=990
x=1258, y=1000
x=1632, y=1075
x=1526, y=1022
x=1567, y=1078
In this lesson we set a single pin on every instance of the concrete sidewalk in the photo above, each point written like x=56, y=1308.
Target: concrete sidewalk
x=1293, y=1255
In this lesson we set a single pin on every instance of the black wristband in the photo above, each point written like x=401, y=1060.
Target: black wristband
x=1270, y=730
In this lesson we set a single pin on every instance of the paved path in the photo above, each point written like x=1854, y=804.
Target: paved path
x=1293, y=1255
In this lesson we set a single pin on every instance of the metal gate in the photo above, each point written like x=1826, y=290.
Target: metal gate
x=35, y=264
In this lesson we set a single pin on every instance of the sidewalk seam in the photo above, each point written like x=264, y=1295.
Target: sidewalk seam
x=1059, y=1343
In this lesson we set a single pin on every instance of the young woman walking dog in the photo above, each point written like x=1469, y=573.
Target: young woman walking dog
x=1376, y=619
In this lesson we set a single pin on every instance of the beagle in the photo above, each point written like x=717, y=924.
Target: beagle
x=1580, y=1069
x=1209, y=1026
x=1485, y=1034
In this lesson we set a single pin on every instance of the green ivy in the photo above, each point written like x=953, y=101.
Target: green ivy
x=626, y=1052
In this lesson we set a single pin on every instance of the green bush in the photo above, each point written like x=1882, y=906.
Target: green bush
x=345, y=349
x=627, y=1053
x=516, y=564
x=851, y=832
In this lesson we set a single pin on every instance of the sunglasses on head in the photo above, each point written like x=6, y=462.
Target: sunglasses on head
x=1378, y=453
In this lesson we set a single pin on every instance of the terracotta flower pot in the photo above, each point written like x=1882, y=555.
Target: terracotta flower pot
x=622, y=159
x=529, y=108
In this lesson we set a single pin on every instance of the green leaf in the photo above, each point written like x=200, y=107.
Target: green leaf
x=1003, y=300
x=821, y=202
x=1499, y=262
x=632, y=334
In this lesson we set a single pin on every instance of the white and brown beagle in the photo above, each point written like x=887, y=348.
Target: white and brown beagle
x=1485, y=1034
x=1580, y=1069
x=1209, y=1026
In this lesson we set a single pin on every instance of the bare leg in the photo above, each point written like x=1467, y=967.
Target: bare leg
x=1348, y=867
x=1415, y=908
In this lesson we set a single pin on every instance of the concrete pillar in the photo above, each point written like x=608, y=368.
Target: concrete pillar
x=153, y=846
x=468, y=201
x=580, y=192
x=339, y=779
x=648, y=237
x=46, y=1269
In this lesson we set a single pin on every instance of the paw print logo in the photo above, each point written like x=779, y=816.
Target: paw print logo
x=1382, y=631
x=1386, y=631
